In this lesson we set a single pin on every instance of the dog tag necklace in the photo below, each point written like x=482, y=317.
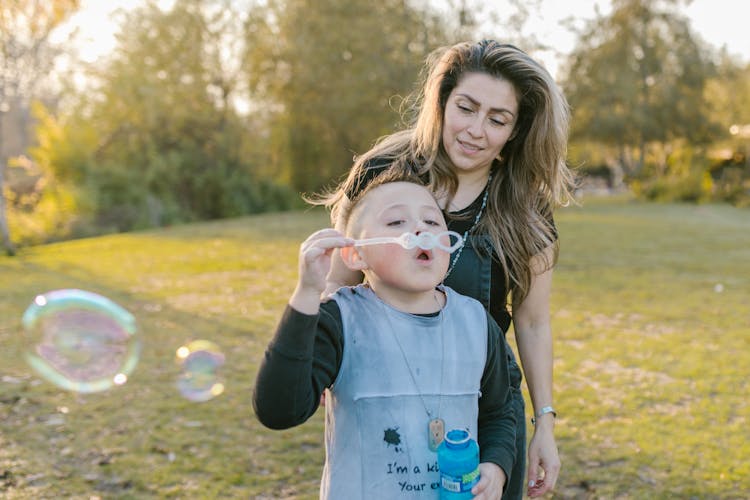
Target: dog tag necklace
x=435, y=424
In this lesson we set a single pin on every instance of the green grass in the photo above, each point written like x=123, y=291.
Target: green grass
x=651, y=361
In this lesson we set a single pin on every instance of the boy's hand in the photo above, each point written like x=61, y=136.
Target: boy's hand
x=314, y=264
x=491, y=482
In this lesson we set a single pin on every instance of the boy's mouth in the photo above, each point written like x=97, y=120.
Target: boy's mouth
x=424, y=255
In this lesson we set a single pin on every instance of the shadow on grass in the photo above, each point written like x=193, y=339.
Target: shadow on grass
x=651, y=366
x=142, y=439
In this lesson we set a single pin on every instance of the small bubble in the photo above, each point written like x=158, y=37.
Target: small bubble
x=200, y=364
x=718, y=288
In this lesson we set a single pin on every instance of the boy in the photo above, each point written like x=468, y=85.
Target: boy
x=404, y=358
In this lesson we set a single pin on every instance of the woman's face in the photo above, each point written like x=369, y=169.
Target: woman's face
x=479, y=118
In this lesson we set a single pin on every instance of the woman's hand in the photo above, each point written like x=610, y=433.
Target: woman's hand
x=491, y=482
x=544, y=462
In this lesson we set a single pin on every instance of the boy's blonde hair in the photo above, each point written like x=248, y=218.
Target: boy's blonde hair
x=391, y=175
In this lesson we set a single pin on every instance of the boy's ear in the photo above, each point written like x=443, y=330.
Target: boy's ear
x=352, y=259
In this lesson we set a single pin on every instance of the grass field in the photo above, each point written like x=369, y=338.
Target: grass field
x=651, y=314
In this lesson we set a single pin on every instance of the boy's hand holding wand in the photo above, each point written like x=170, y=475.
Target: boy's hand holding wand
x=314, y=265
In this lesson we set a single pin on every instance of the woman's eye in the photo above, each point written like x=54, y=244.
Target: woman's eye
x=497, y=122
x=465, y=109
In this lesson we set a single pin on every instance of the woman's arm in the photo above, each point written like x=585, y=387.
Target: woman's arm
x=531, y=323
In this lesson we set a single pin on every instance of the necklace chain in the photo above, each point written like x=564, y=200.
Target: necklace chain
x=408, y=366
x=473, y=226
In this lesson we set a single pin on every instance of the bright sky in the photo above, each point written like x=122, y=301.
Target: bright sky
x=719, y=22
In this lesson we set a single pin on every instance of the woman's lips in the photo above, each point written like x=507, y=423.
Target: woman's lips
x=468, y=146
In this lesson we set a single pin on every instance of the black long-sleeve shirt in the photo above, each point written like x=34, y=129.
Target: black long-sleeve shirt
x=304, y=358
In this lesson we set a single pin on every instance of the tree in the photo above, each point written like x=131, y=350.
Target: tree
x=26, y=57
x=170, y=140
x=636, y=79
x=728, y=92
x=329, y=74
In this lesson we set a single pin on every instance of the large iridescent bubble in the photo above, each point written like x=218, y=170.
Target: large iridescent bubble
x=80, y=341
x=200, y=364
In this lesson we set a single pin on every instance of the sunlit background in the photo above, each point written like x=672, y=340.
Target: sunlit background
x=659, y=101
x=96, y=24
x=155, y=152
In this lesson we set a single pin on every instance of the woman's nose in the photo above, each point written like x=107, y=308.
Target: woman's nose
x=475, y=128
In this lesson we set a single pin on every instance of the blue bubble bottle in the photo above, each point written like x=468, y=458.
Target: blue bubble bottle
x=458, y=460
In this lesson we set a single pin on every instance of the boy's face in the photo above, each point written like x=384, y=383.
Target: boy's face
x=391, y=210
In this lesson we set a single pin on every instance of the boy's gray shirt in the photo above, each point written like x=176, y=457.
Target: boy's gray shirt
x=377, y=409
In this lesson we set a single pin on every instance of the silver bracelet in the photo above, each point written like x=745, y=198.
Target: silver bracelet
x=543, y=411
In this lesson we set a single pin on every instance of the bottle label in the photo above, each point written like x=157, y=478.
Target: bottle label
x=459, y=484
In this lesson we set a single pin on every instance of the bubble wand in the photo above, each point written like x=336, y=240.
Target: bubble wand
x=425, y=241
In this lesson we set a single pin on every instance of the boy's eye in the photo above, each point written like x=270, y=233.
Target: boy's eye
x=430, y=222
x=394, y=223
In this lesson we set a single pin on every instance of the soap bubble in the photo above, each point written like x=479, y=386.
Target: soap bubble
x=200, y=362
x=80, y=341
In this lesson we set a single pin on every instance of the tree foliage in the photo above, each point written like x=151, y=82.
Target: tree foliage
x=26, y=57
x=330, y=74
x=168, y=143
x=203, y=110
x=206, y=109
x=727, y=93
x=636, y=79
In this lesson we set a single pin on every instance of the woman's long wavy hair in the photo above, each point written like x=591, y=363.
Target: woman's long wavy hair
x=530, y=176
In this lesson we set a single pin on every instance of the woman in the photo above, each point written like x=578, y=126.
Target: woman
x=489, y=137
